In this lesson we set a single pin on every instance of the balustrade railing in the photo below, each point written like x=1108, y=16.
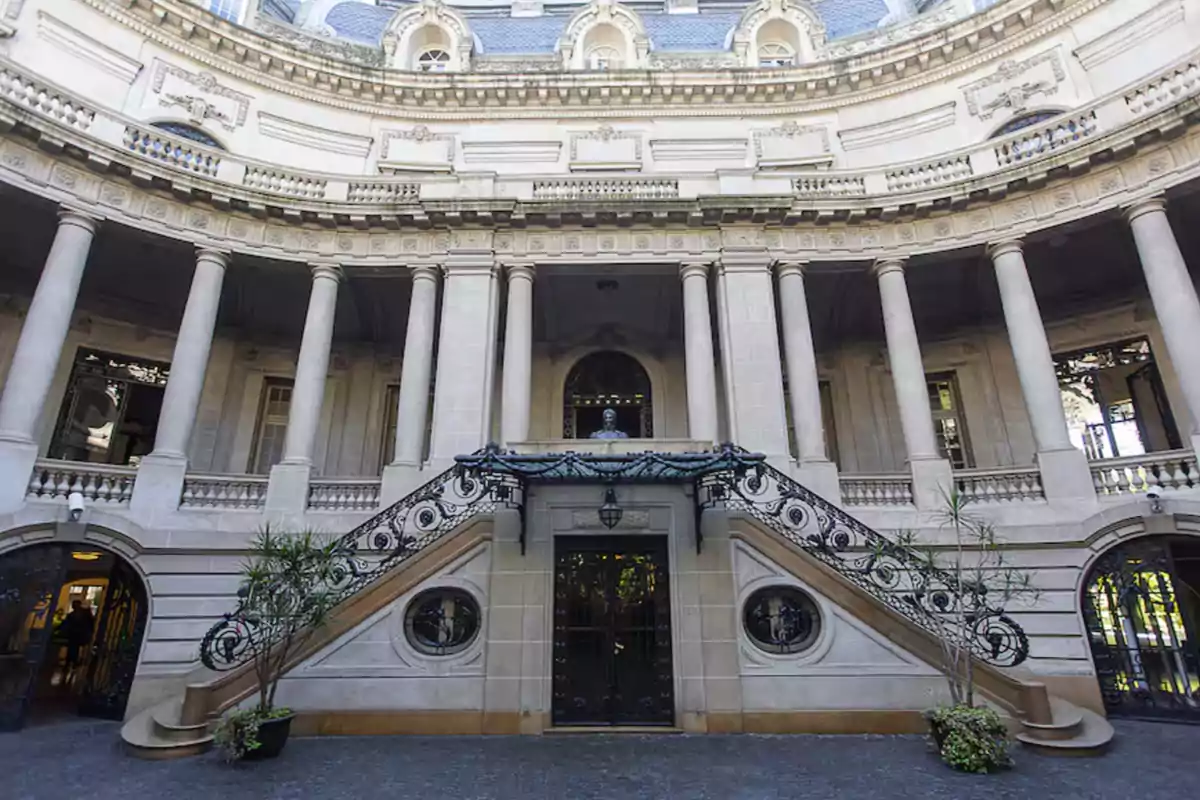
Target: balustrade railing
x=1153, y=472
x=343, y=494
x=877, y=490
x=1037, y=141
x=38, y=97
x=377, y=192
x=97, y=483
x=1164, y=89
x=224, y=491
x=280, y=182
x=830, y=186
x=1007, y=484
x=924, y=176
x=607, y=189
x=169, y=150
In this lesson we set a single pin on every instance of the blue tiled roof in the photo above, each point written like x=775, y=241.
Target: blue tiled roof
x=850, y=17
x=689, y=31
x=284, y=10
x=525, y=35
x=359, y=21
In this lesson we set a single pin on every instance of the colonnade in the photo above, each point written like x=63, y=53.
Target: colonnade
x=752, y=354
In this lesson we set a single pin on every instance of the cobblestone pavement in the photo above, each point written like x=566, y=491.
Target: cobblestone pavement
x=81, y=759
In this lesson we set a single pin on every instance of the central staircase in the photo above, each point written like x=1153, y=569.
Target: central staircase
x=905, y=596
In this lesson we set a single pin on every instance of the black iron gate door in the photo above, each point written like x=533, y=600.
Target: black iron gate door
x=29, y=582
x=612, y=632
x=115, y=647
x=1142, y=610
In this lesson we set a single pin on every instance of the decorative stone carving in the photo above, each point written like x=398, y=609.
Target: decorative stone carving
x=792, y=145
x=402, y=49
x=416, y=150
x=607, y=149
x=571, y=45
x=1014, y=84
x=200, y=95
x=796, y=14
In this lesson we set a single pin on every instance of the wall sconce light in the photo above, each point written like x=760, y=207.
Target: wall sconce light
x=610, y=512
x=1156, y=504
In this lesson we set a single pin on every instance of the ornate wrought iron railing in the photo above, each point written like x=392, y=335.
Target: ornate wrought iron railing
x=899, y=576
x=728, y=477
x=371, y=550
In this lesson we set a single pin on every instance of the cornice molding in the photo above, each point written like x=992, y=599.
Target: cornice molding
x=900, y=67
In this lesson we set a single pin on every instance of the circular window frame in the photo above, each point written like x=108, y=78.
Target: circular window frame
x=803, y=647
x=418, y=644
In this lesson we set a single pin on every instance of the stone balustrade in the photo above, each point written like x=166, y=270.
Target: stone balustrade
x=1164, y=89
x=1153, y=472
x=98, y=483
x=1031, y=143
x=830, y=186
x=36, y=96
x=924, y=176
x=224, y=491
x=379, y=192
x=172, y=151
x=343, y=494
x=287, y=183
x=1006, y=484
x=606, y=189
x=877, y=490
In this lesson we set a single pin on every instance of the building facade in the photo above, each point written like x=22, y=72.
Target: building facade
x=283, y=264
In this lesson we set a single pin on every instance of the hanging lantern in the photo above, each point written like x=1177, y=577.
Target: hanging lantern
x=610, y=512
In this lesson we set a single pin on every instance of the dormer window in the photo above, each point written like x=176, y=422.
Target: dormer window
x=604, y=58
x=433, y=60
x=774, y=54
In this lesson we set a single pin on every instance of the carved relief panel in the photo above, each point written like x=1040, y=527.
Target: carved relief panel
x=1016, y=85
x=606, y=149
x=199, y=96
x=792, y=145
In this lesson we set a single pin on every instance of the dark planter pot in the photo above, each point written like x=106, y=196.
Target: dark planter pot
x=272, y=736
x=937, y=733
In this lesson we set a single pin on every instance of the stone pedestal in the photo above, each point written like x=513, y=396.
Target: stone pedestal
x=287, y=492
x=933, y=480
x=158, y=487
x=820, y=477
x=1066, y=476
x=16, y=467
x=400, y=480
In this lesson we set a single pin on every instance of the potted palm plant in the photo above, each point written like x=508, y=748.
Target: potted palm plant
x=286, y=596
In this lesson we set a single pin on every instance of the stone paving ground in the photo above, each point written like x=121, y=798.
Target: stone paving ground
x=81, y=760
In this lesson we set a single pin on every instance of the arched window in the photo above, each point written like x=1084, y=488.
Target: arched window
x=185, y=131
x=433, y=60
x=1026, y=121
x=604, y=58
x=775, y=54
x=607, y=379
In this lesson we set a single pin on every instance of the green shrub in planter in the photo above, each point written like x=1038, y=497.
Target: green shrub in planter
x=970, y=739
x=237, y=734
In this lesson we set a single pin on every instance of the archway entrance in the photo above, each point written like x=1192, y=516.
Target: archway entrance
x=607, y=379
x=1141, y=606
x=72, y=618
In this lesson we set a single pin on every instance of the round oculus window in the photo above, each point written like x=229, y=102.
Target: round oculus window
x=781, y=619
x=441, y=622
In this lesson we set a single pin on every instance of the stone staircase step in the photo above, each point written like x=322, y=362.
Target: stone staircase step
x=1068, y=719
x=1092, y=737
x=146, y=737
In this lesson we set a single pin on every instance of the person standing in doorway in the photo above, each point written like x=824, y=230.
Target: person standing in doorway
x=77, y=629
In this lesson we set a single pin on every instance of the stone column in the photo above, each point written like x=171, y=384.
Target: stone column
x=287, y=491
x=931, y=472
x=1064, y=468
x=814, y=467
x=750, y=353
x=1174, y=296
x=38, y=351
x=160, y=476
x=517, y=380
x=699, y=363
x=466, y=364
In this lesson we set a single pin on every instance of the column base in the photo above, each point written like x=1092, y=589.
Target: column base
x=933, y=480
x=1066, y=477
x=398, y=481
x=820, y=477
x=287, y=492
x=16, y=468
x=158, y=487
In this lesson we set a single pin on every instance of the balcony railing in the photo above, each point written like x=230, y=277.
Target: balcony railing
x=343, y=494
x=1152, y=472
x=100, y=484
x=1003, y=485
x=224, y=491
x=877, y=490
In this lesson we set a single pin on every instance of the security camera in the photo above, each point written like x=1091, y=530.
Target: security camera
x=1156, y=506
x=75, y=506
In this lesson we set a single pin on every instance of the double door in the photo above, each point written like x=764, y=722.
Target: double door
x=612, y=632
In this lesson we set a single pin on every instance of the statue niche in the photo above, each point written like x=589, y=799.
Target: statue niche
x=607, y=380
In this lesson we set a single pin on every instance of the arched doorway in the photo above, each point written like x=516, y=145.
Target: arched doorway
x=607, y=379
x=1141, y=606
x=52, y=662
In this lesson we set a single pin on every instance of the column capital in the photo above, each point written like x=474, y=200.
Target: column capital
x=1015, y=244
x=326, y=269
x=518, y=270
x=1144, y=206
x=785, y=267
x=213, y=255
x=884, y=266
x=694, y=269
x=755, y=261
x=70, y=215
x=424, y=272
